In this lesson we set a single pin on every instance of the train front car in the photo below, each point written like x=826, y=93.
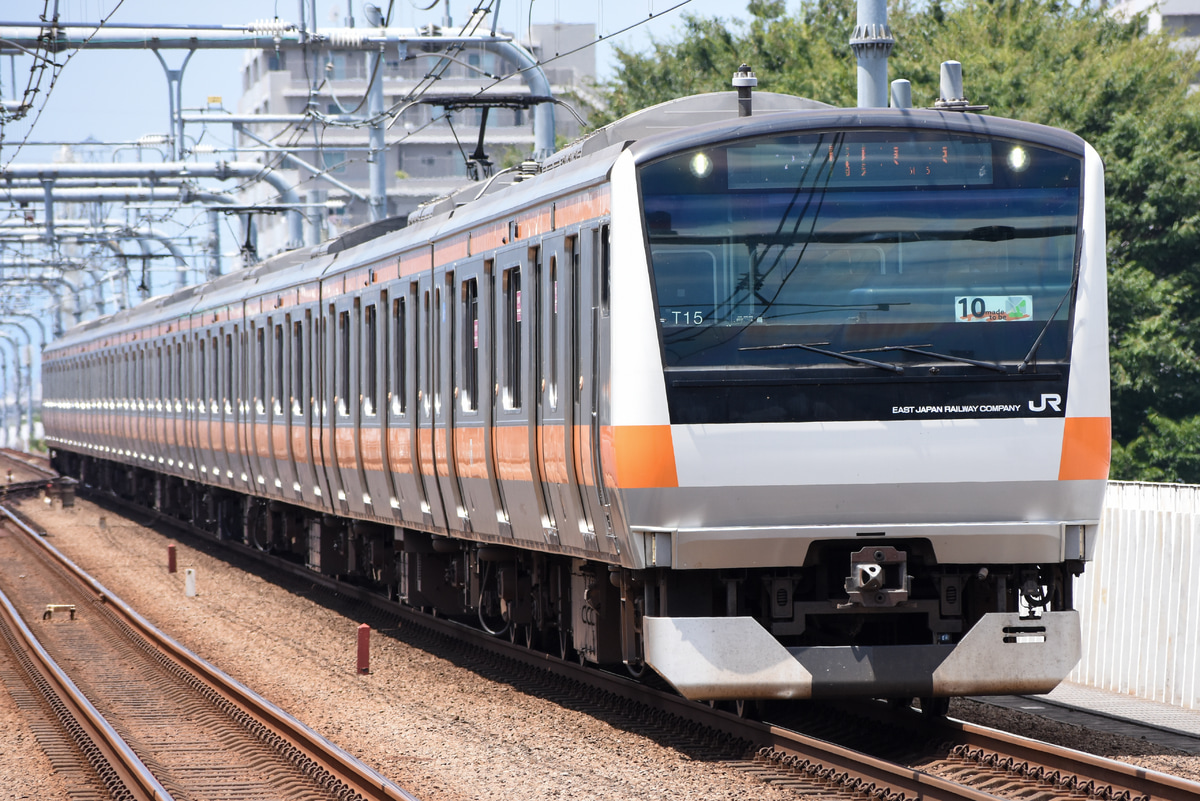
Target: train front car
x=860, y=400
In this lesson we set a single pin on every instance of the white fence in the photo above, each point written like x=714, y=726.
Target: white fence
x=1140, y=598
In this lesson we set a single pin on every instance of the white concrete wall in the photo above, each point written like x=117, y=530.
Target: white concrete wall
x=1140, y=598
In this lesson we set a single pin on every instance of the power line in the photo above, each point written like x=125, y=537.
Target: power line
x=54, y=77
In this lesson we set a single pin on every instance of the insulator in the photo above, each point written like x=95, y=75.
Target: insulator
x=347, y=37
x=269, y=26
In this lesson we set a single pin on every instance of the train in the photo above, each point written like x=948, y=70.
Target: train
x=805, y=403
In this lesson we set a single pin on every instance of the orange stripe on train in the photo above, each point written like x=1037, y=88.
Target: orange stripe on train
x=644, y=456
x=1086, y=449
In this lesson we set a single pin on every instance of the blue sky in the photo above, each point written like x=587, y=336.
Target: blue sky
x=121, y=95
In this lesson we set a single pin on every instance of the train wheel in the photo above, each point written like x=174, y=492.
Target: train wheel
x=935, y=707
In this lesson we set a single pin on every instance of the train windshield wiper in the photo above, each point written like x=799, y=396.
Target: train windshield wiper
x=946, y=357
x=1037, y=343
x=846, y=357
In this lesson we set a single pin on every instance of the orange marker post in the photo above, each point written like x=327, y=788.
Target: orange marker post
x=364, y=649
x=170, y=558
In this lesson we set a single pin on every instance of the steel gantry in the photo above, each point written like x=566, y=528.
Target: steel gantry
x=16, y=351
x=273, y=34
x=220, y=170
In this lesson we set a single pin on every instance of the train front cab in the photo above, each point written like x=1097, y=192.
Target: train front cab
x=881, y=385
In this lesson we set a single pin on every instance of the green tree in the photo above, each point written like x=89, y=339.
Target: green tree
x=1071, y=66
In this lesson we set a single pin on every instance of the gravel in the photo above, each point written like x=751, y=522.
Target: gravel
x=439, y=730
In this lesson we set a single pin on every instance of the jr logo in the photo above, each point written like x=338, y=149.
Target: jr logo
x=1053, y=401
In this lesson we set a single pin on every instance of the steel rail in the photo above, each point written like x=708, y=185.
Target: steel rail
x=360, y=778
x=108, y=747
x=1028, y=755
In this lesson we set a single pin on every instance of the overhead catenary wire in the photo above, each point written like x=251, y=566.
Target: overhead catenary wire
x=54, y=80
x=292, y=133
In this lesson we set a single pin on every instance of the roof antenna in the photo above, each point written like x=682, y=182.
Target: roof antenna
x=872, y=42
x=951, y=90
x=745, y=82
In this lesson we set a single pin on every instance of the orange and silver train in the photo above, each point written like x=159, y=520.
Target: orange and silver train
x=809, y=403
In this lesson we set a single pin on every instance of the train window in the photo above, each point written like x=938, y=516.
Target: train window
x=277, y=372
x=202, y=375
x=470, y=340
x=214, y=392
x=574, y=321
x=512, y=338
x=319, y=374
x=228, y=394
x=178, y=396
x=297, y=379
x=603, y=272
x=143, y=385
x=423, y=356
x=552, y=383
x=159, y=379
x=260, y=370
x=343, y=368
x=372, y=360
x=400, y=357
x=436, y=383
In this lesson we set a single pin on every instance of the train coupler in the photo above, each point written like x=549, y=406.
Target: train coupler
x=878, y=577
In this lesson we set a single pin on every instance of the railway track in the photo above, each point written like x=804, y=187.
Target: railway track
x=861, y=750
x=179, y=727
x=22, y=473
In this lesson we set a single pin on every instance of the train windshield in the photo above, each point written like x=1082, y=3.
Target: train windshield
x=862, y=242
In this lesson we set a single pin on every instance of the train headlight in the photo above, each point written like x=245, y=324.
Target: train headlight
x=701, y=165
x=1018, y=159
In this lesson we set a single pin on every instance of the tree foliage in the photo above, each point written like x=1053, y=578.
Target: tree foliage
x=1071, y=66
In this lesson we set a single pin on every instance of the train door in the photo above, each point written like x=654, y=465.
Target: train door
x=555, y=418
x=516, y=412
x=220, y=408
x=473, y=398
x=445, y=407
x=139, y=425
x=129, y=403
x=158, y=423
x=323, y=407
x=104, y=408
x=281, y=475
x=235, y=435
x=178, y=422
x=591, y=326
x=427, y=414
x=401, y=430
x=539, y=313
x=202, y=436
x=243, y=410
x=342, y=464
x=297, y=399
x=372, y=430
x=258, y=443
x=187, y=393
x=185, y=361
